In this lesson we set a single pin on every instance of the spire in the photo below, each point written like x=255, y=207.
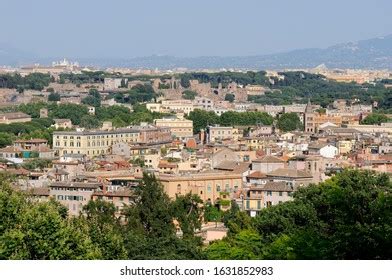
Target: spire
x=308, y=108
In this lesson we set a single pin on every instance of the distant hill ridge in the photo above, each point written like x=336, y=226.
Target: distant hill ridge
x=373, y=53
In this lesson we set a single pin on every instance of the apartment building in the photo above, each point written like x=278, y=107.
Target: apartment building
x=91, y=143
x=204, y=102
x=210, y=186
x=73, y=195
x=176, y=106
x=219, y=133
x=179, y=127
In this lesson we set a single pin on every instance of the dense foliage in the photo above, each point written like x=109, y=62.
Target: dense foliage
x=138, y=93
x=37, y=128
x=189, y=94
x=93, y=98
x=375, y=119
x=346, y=217
x=230, y=97
x=43, y=230
x=289, y=122
x=201, y=119
x=224, y=78
x=83, y=78
x=35, y=81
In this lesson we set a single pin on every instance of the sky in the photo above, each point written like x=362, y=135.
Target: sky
x=134, y=28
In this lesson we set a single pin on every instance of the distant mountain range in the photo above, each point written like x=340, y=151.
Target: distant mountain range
x=373, y=53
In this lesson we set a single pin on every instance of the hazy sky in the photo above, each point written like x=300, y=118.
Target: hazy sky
x=130, y=28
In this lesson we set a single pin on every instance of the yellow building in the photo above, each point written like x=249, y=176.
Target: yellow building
x=219, y=133
x=210, y=186
x=91, y=143
x=179, y=127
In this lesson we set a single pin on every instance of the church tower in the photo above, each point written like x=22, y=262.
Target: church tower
x=309, y=118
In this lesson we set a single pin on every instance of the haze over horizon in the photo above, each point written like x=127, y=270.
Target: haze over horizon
x=127, y=29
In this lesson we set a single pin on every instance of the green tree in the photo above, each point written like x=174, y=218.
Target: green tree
x=189, y=94
x=212, y=213
x=104, y=229
x=89, y=122
x=230, y=97
x=187, y=211
x=375, y=118
x=54, y=96
x=5, y=139
x=202, y=118
x=345, y=217
x=289, y=122
x=93, y=98
x=246, y=245
x=124, y=83
x=31, y=230
x=150, y=232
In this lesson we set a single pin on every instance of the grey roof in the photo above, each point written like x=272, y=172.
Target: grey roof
x=276, y=187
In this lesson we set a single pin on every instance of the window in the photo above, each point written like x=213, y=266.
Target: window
x=280, y=193
x=269, y=203
x=269, y=193
x=218, y=188
x=258, y=204
x=247, y=204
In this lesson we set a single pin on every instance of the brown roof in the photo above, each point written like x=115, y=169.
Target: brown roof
x=118, y=193
x=10, y=149
x=257, y=175
x=237, y=167
x=269, y=159
x=15, y=115
x=290, y=173
x=39, y=191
